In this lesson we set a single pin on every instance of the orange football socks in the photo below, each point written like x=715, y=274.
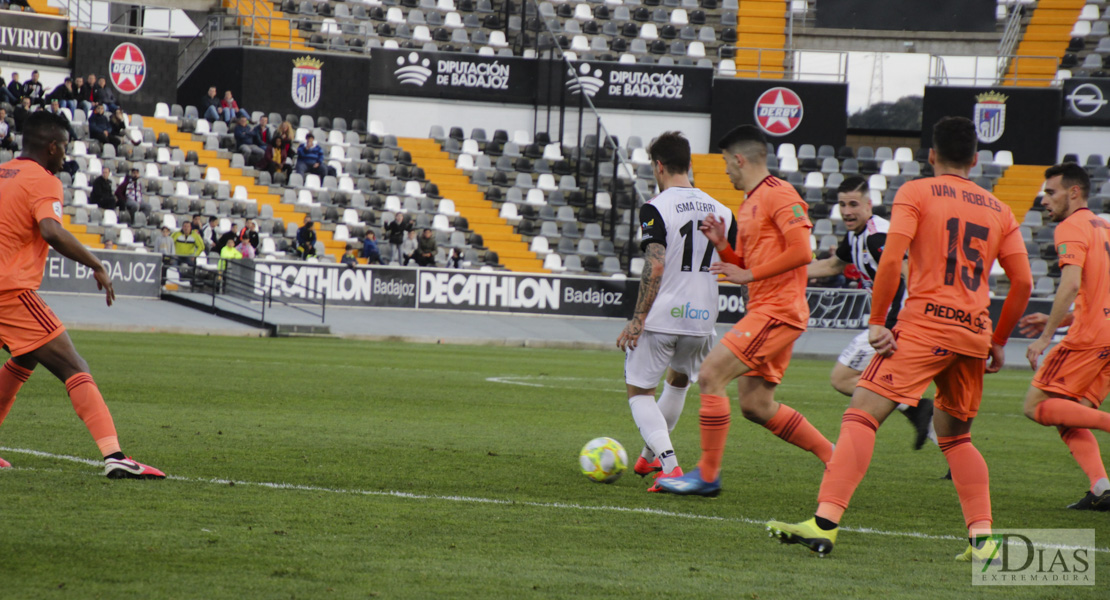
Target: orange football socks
x=90, y=406
x=971, y=479
x=715, y=418
x=791, y=426
x=848, y=464
x=12, y=377
x=1058, y=411
x=1084, y=447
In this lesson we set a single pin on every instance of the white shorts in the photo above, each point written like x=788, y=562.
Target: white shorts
x=857, y=355
x=645, y=364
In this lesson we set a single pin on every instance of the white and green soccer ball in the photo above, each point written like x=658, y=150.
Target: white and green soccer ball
x=603, y=460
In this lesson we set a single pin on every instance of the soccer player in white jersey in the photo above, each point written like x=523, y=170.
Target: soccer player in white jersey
x=671, y=329
x=862, y=247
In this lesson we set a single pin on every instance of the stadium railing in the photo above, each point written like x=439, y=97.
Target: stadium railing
x=242, y=286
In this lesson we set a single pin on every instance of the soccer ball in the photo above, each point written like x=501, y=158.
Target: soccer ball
x=603, y=460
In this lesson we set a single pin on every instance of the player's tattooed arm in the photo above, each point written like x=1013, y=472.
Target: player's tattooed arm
x=650, y=279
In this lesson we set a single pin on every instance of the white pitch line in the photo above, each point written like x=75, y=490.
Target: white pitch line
x=478, y=500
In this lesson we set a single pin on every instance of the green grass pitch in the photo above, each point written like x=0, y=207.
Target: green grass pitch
x=423, y=471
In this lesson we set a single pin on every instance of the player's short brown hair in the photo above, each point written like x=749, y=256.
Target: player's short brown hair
x=747, y=140
x=955, y=141
x=672, y=149
x=855, y=183
x=1071, y=174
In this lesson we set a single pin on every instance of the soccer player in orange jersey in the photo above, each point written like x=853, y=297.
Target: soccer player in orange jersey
x=771, y=256
x=1075, y=377
x=954, y=230
x=31, y=223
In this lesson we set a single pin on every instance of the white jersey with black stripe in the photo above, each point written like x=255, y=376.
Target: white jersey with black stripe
x=687, y=299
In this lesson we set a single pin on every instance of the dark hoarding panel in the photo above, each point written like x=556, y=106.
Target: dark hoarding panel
x=908, y=15
x=786, y=111
x=340, y=284
x=1025, y=121
x=1086, y=102
x=524, y=293
x=132, y=273
x=453, y=76
x=283, y=81
x=141, y=71
x=631, y=86
x=34, y=39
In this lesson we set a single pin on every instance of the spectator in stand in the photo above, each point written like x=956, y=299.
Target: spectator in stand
x=5, y=95
x=65, y=95
x=249, y=234
x=102, y=190
x=15, y=88
x=228, y=252
x=7, y=126
x=119, y=125
x=306, y=240
x=100, y=128
x=129, y=194
x=187, y=245
x=408, y=249
x=455, y=260
x=33, y=89
x=230, y=108
x=310, y=158
x=229, y=235
x=86, y=94
x=22, y=112
x=104, y=95
x=350, y=258
x=280, y=148
x=54, y=108
x=208, y=233
x=210, y=105
x=370, y=249
x=396, y=232
x=164, y=244
x=246, y=249
x=249, y=142
x=426, y=249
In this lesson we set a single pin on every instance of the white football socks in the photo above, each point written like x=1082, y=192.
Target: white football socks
x=653, y=427
x=671, y=402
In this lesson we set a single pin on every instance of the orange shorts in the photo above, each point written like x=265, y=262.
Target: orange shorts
x=905, y=375
x=1075, y=373
x=764, y=344
x=26, y=322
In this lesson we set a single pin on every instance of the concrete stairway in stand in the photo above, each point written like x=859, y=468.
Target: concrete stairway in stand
x=710, y=177
x=481, y=216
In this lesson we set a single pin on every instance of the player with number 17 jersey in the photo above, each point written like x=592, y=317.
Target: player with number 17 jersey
x=688, y=296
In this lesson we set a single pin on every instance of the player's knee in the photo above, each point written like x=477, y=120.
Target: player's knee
x=709, y=380
x=1030, y=410
x=843, y=385
x=755, y=410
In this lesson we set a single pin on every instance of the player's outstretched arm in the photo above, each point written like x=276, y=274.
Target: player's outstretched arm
x=1032, y=324
x=68, y=246
x=828, y=267
x=1066, y=292
x=650, y=279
